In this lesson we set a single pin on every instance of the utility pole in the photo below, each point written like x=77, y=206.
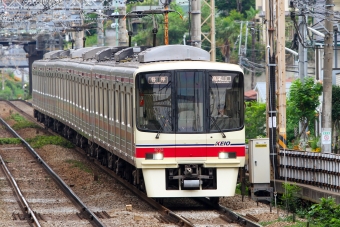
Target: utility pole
x=211, y=36
x=122, y=35
x=302, y=51
x=271, y=94
x=253, y=33
x=326, y=116
x=195, y=13
x=281, y=73
x=100, y=30
x=239, y=45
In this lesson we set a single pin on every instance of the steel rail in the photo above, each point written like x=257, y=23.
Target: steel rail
x=23, y=202
x=92, y=218
x=163, y=210
x=229, y=214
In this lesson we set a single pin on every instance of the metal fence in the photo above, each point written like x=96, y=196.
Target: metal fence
x=317, y=169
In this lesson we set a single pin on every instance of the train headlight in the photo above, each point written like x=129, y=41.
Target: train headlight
x=226, y=155
x=154, y=156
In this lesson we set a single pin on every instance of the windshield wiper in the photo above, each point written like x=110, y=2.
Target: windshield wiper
x=159, y=131
x=214, y=122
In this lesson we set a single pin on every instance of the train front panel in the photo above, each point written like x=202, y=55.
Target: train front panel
x=189, y=130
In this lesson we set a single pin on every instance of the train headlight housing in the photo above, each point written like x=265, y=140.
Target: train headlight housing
x=154, y=156
x=226, y=155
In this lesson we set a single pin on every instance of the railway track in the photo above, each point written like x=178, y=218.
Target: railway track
x=221, y=215
x=43, y=202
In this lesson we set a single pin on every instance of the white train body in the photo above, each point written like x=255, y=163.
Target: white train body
x=174, y=128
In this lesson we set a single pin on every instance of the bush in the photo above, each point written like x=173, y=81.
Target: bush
x=325, y=214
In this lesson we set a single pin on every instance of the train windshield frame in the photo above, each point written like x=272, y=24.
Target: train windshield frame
x=189, y=101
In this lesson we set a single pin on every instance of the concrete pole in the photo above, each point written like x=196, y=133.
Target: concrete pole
x=122, y=35
x=326, y=133
x=100, y=30
x=196, y=23
x=212, y=30
x=239, y=44
x=302, y=51
x=281, y=73
x=246, y=39
x=3, y=79
x=253, y=32
x=302, y=61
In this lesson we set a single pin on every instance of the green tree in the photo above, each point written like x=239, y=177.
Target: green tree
x=292, y=121
x=335, y=103
x=177, y=27
x=224, y=7
x=304, y=99
x=291, y=197
x=255, y=120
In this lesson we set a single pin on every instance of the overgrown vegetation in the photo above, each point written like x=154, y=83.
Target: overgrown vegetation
x=301, y=105
x=255, y=120
x=21, y=122
x=80, y=165
x=290, y=197
x=13, y=87
x=40, y=141
x=10, y=141
x=325, y=214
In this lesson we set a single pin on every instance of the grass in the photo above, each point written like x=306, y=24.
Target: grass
x=297, y=223
x=40, y=141
x=80, y=165
x=10, y=141
x=21, y=122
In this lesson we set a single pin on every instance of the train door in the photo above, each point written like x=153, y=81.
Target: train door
x=122, y=97
x=129, y=117
x=190, y=136
x=106, y=110
x=96, y=106
x=111, y=109
x=117, y=113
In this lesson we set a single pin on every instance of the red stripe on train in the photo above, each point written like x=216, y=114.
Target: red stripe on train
x=181, y=152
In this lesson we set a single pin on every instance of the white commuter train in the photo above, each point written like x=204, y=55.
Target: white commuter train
x=165, y=118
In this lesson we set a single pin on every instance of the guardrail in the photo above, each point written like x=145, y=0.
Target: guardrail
x=318, y=169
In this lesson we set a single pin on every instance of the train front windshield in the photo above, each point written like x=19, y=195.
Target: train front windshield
x=189, y=101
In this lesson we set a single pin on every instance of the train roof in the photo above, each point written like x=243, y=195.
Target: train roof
x=131, y=54
x=136, y=58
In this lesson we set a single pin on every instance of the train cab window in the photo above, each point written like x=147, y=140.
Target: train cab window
x=226, y=101
x=190, y=99
x=153, y=102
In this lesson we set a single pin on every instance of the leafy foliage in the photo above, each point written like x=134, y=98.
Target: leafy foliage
x=255, y=119
x=12, y=89
x=326, y=213
x=10, y=141
x=225, y=6
x=304, y=99
x=177, y=28
x=91, y=40
x=40, y=141
x=291, y=197
x=335, y=103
